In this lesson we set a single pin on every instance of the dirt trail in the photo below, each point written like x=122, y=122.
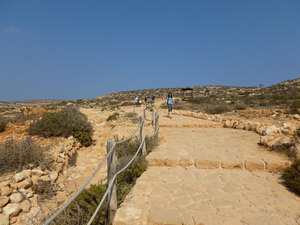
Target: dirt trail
x=203, y=174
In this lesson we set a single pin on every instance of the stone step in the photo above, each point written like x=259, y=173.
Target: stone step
x=220, y=164
x=192, y=125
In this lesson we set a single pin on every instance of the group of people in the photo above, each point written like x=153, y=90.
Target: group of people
x=170, y=102
x=138, y=100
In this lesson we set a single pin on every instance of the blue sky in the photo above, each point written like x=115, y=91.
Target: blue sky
x=75, y=49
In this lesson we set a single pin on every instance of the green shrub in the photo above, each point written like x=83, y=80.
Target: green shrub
x=3, y=125
x=294, y=108
x=69, y=121
x=131, y=114
x=297, y=133
x=113, y=116
x=82, y=208
x=240, y=107
x=291, y=176
x=217, y=109
x=18, y=155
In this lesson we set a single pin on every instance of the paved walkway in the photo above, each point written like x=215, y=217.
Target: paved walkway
x=209, y=176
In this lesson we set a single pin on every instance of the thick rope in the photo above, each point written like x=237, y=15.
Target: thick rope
x=112, y=182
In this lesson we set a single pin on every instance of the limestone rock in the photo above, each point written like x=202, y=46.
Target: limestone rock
x=37, y=172
x=6, y=191
x=271, y=130
x=4, y=220
x=53, y=175
x=3, y=201
x=25, y=206
x=12, y=209
x=4, y=183
x=22, y=175
x=16, y=197
x=27, y=193
x=25, y=183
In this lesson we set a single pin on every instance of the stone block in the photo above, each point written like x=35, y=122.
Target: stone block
x=155, y=162
x=206, y=164
x=171, y=162
x=232, y=165
x=275, y=166
x=254, y=165
x=186, y=163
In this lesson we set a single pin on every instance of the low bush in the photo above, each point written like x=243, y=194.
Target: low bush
x=295, y=106
x=283, y=148
x=69, y=121
x=291, y=176
x=3, y=124
x=113, y=116
x=21, y=118
x=18, y=155
x=82, y=208
x=131, y=114
x=217, y=109
x=240, y=107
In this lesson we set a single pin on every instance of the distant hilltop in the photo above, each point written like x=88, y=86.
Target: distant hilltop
x=293, y=85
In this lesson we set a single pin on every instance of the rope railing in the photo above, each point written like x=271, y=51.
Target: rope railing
x=111, y=177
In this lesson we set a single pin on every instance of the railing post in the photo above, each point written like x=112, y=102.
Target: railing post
x=112, y=194
x=145, y=113
x=142, y=135
x=153, y=117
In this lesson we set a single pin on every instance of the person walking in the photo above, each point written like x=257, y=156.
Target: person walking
x=170, y=104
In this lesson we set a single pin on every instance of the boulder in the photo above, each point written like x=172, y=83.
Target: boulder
x=12, y=209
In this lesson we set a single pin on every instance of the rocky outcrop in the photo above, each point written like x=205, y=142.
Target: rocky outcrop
x=18, y=194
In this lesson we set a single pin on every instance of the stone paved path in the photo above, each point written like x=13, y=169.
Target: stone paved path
x=209, y=176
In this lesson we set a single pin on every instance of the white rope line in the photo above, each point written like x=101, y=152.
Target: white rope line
x=126, y=139
x=49, y=220
x=80, y=190
x=112, y=182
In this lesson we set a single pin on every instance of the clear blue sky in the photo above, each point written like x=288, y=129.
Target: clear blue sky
x=75, y=49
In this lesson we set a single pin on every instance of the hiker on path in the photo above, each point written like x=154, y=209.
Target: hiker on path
x=170, y=103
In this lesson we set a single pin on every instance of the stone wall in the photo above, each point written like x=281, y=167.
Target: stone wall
x=19, y=197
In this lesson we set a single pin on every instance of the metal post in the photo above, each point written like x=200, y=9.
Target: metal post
x=112, y=194
x=142, y=135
